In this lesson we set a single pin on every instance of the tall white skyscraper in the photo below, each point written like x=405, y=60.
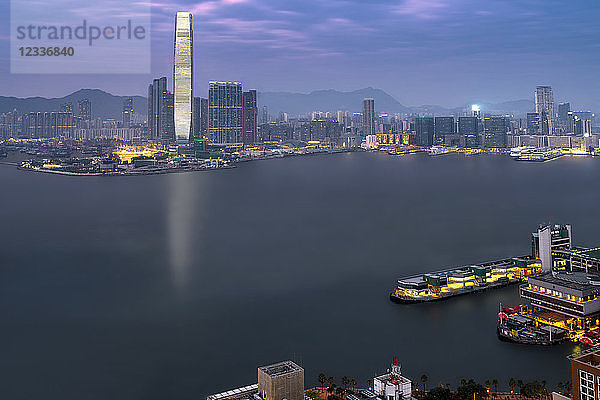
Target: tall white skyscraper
x=544, y=101
x=183, y=76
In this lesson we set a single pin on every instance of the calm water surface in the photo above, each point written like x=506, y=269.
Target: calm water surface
x=178, y=286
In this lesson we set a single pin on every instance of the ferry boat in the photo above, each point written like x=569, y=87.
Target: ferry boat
x=441, y=150
x=441, y=285
x=518, y=324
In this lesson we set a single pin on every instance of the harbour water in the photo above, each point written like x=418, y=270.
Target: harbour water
x=181, y=285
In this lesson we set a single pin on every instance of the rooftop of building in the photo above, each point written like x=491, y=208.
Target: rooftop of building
x=388, y=377
x=585, y=283
x=281, y=368
x=235, y=393
x=590, y=357
x=592, y=253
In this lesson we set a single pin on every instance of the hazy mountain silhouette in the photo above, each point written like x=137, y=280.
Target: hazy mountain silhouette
x=104, y=104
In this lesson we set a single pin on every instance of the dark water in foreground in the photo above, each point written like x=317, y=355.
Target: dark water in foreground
x=178, y=286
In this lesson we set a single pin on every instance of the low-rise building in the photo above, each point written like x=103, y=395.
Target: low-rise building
x=393, y=386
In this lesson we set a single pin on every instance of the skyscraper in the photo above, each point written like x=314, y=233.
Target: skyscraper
x=544, y=101
x=160, y=111
x=84, y=109
x=249, y=117
x=443, y=126
x=127, y=111
x=225, y=112
x=183, y=76
x=204, y=118
x=563, y=113
x=368, y=116
x=424, y=131
x=468, y=127
x=494, y=131
x=197, y=118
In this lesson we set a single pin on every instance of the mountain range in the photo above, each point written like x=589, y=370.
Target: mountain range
x=107, y=105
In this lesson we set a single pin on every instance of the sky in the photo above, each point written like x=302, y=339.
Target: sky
x=444, y=52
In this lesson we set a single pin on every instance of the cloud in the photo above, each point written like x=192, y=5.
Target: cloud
x=422, y=9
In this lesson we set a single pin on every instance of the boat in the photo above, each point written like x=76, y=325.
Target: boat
x=516, y=325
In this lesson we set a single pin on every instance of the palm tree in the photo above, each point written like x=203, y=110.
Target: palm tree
x=353, y=383
x=512, y=383
x=519, y=384
x=488, y=383
x=424, y=379
x=331, y=381
x=568, y=386
x=345, y=382
x=560, y=387
x=322, y=379
x=495, y=384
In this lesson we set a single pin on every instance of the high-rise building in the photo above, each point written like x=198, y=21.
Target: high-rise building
x=183, y=76
x=368, y=116
x=204, y=118
x=443, y=126
x=468, y=127
x=494, y=132
x=225, y=112
x=533, y=123
x=284, y=380
x=264, y=118
x=127, y=112
x=424, y=131
x=84, y=109
x=66, y=107
x=563, y=113
x=249, y=117
x=197, y=118
x=547, y=239
x=544, y=101
x=585, y=375
x=160, y=111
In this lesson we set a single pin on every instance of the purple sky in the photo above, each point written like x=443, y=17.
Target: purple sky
x=446, y=52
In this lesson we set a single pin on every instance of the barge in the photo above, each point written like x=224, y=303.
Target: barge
x=441, y=285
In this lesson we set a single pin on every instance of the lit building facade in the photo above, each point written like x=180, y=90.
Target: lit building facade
x=183, y=77
x=547, y=239
x=443, y=126
x=225, y=112
x=393, y=386
x=424, y=131
x=494, y=132
x=468, y=127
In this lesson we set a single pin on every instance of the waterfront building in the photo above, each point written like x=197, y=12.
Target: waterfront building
x=533, y=124
x=575, y=296
x=127, y=112
x=242, y=393
x=393, y=386
x=225, y=123
x=183, y=76
x=548, y=239
x=585, y=375
x=48, y=124
x=443, y=127
x=544, y=101
x=250, y=116
x=494, y=132
x=424, y=131
x=368, y=116
x=468, y=127
x=284, y=380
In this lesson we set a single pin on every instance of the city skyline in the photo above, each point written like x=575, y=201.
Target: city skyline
x=409, y=65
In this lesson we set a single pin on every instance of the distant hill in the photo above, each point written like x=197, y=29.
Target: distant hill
x=104, y=104
x=328, y=100
x=332, y=100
